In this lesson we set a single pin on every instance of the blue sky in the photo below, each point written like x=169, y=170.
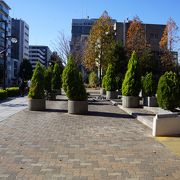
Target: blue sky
x=46, y=17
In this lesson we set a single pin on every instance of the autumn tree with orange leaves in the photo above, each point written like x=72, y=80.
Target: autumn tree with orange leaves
x=100, y=44
x=167, y=45
x=135, y=39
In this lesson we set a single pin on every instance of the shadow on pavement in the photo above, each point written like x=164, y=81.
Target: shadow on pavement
x=13, y=105
x=58, y=100
x=97, y=103
x=108, y=114
x=143, y=114
x=56, y=110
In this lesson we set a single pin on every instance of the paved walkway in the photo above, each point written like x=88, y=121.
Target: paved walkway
x=12, y=106
x=105, y=144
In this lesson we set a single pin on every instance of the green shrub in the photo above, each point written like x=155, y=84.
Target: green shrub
x=168, y=91
x=3, y=94
x=72, y=82
x=110, y=79
x=149, y=85
x=104, y=82
x=13, y=91
x=37, y=83
x=93, y=79
x=56, y=77
x=47, y=79
x=132, y=82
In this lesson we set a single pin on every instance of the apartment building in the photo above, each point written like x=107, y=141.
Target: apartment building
x=153, y=33
x=39, y=53
x=81, y=30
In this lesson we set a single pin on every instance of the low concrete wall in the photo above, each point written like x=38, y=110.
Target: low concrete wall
x=166, y=125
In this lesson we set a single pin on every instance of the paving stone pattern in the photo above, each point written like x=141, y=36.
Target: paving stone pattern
x=105, y=144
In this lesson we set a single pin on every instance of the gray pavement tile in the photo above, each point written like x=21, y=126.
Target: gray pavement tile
x=105, y=144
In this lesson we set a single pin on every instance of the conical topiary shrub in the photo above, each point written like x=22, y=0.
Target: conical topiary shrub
x=47, y=79
x=149, y=85
x=56, y=79
x=103, y=85
x=93, y=79
x=132, y=83
x=47, y=83
x=74, y=89
x=104, y=82
x=168, y=91
x=36, y=91
x=149, y=90
x=110, y=84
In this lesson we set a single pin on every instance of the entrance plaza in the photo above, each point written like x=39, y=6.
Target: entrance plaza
x=105, y=144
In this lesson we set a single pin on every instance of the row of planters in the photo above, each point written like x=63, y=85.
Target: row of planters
x=52, y=82
x=167, y=88
x=9, y=92
x=45, y=83
x=72, y=84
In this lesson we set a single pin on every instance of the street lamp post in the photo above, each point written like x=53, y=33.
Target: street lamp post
x=14, y=40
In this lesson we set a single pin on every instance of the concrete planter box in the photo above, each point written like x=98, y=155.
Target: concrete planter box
x=150, y=101
x=111, y=95
x=102, y=91
x=166, y=125
x=130, y=102
x=77, y=107
x=37, y=104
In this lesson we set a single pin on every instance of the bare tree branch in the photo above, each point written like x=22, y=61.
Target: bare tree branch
x=62, y=46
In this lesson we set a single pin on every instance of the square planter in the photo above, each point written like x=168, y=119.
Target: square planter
x=111, y=95
x=37, y=104
x=77, y=107
x=130, y=102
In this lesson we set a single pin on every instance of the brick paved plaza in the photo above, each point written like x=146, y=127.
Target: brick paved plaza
x=106, y=144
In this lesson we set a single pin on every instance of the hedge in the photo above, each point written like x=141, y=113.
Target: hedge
x=3, y=94
x=13, y=91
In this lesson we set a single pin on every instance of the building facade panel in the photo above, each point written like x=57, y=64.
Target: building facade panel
x=39, y=53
